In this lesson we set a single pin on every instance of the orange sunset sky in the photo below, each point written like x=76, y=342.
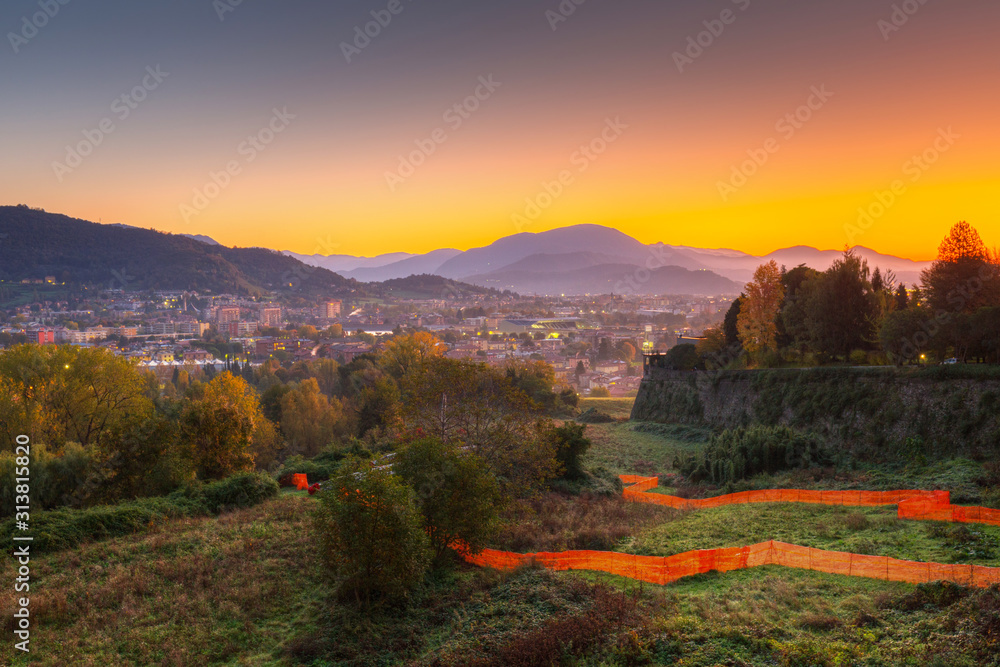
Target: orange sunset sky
x=894, y=90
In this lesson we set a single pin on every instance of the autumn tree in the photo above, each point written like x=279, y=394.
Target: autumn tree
x=403, y=354
x=756, y=322
x=964, y=277
x=309, y=419
x=84, y=395
x=218, y=427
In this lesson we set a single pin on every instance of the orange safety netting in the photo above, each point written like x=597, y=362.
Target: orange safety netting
x=300, y=481
x=665, y=569
x=912, y=504
x=932, y=505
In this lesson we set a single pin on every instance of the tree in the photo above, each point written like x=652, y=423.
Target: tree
x=309, y=420
x=308, y=331
x=371, y=534
x=903, y=334
x=479, y=406
x=682, y=358
x=793, y=326
x=84, y=395
x=841, y=311
x=378, y=406
x=712, y=349
x=454, y=492
x=756, y=322
x=218, y=428
x=403, y=354
x=963, y=278
x=729, y=326
x=626, y=351
x=902, y=298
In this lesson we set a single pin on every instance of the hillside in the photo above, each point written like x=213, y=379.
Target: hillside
x=608, y=279
x=35, y=244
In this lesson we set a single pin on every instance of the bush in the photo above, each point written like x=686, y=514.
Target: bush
x=600, y=392
x=595, y=416
x=390, y=556
x=52, y=477
x=457, y=496
x=65, y=527
x=241, y=490
x=570, y=446
x=741, y=453
x=318, y=469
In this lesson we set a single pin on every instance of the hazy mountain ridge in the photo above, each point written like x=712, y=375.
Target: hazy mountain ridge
x=555, y=257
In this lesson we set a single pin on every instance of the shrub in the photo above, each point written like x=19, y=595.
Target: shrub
x=595, y=416
x=371, y=534
x=456, y=495
x=741, y=453
x=600, y=392
x=65, y=528
x=570, y=446
x=52, y=477
x=318, y=469
x=241, y=490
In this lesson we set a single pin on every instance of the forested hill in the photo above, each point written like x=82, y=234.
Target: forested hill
x=35, y=244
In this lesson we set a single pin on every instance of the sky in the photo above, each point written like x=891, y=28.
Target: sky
x=747, y=124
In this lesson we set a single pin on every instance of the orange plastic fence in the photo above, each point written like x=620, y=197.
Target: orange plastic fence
x=665, y=569
x=912, y=504
x=300, y=481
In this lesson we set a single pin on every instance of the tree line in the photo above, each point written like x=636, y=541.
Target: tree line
x=854, y=314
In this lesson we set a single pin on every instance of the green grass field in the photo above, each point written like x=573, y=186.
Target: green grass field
x=244, y=588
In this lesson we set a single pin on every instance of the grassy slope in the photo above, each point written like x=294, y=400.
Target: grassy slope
x=193, y=591
x=243, y=589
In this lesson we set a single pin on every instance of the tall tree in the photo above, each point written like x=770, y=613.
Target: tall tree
x=756, y=322
x=218, y=427
x=841, y=311
x=403, y=354
x=964, y=276
x=310, y=420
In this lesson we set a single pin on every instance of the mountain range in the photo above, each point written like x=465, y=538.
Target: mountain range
x=581, y=259
x=592, y=259
x=35, y=244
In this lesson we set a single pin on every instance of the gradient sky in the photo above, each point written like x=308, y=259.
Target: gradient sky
x=321, y=185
